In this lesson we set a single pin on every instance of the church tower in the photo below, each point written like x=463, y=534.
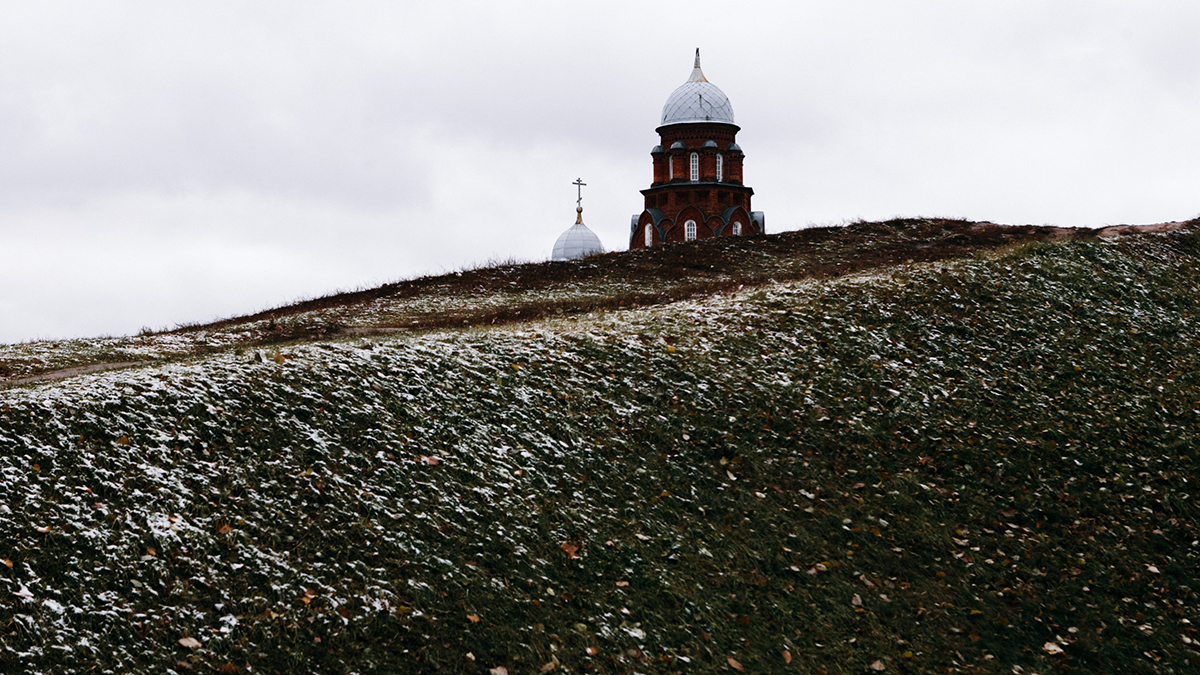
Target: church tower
x=697, y=191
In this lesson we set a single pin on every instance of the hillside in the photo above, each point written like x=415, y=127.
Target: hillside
x=518, y=293
x=807, y=454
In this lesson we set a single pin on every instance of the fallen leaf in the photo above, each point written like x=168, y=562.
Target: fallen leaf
x=1152, y=569
x=43, y=530
x=570, y=548
x=787, y=656
x=960, y=542
x=229, y=668
x=279, y=357
x=7, y=562
x=547, y=667
x=733, y=662
x=858, y=486
x=622, y=584
x=878, y=665
x=224, y=529
x=473, y=618
x=190, y=643
x=431, y=461
x=866, y=581
x=592, y=651
x=1052, y=648
x=856, y=600
x=124, y=440
x=151, y=551
x=498, y=670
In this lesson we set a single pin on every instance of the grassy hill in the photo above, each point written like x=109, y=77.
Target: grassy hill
x=806, y=454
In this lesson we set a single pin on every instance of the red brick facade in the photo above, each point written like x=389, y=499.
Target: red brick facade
x=719, y=205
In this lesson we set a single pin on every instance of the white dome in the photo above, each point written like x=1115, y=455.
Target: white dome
x=697, y=100
x=578, y=241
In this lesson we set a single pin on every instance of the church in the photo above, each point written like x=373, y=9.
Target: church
x=697, y=191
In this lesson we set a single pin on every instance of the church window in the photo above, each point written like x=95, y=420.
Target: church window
x=689, y=230
x=720, y=168
x=695, y=166
x=649, y=235
x=670, y=168
x=737, y=227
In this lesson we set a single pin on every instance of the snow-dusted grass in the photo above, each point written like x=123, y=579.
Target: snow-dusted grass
x=945, y=466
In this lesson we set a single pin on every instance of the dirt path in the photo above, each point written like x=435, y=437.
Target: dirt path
x=69, y=372
x=1118, y=230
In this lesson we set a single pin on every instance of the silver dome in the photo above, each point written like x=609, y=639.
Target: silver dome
x=578, y=241
x=697, y=100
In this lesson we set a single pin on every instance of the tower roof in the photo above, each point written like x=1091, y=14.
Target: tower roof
x=697, y=100
x=578, y=241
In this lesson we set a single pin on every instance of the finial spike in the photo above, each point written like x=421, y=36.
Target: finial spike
x=697, y=74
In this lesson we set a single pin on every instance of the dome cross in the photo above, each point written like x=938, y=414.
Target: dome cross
x=579, y=202
x=579, y=184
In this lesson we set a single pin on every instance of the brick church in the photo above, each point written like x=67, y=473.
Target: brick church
x=697, y=190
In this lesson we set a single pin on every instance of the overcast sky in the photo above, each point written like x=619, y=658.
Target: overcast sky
x=168, y=162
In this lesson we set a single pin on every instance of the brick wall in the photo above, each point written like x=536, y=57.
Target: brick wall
x=679, y=199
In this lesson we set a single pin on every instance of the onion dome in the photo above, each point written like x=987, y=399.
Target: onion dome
x=697, y=100
x=578, y=241
x=734, y=147
x=656, y=149
x=678, y=145
x=709, y=144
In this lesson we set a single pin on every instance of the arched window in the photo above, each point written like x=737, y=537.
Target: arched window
x=689, y=230
x=649, y=235
x=720, y=168
x=695, y=166
x=737, y=228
